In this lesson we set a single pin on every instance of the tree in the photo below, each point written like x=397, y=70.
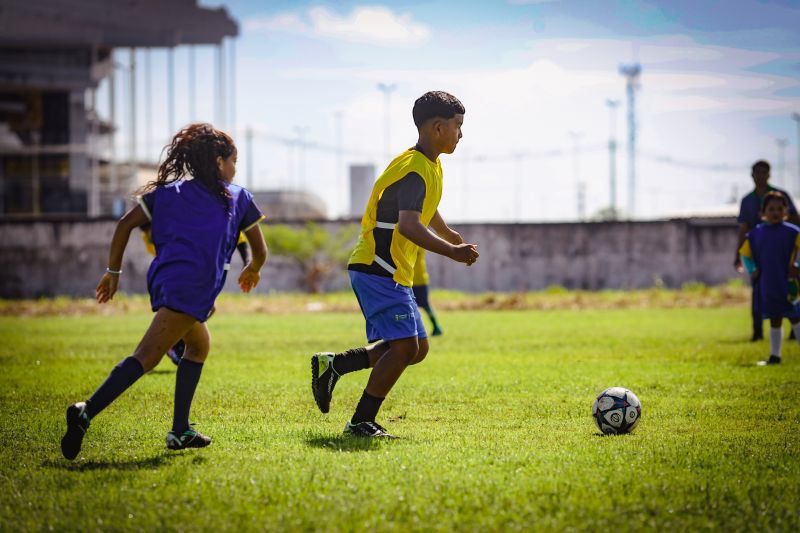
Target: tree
x=317, y=252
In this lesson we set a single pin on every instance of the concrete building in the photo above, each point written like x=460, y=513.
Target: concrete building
x=58, y=153
x=283, y=206
x=361, y=179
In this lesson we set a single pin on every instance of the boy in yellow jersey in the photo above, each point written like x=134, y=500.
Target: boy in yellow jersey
x=403, y=204
x=176, y=352
x=421, y=281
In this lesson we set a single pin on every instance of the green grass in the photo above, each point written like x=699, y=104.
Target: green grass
x=495, y=424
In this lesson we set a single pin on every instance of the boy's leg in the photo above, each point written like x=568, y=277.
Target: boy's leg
x=182, y=436
x=796, y=328
x=166, y=328
x=327, y=368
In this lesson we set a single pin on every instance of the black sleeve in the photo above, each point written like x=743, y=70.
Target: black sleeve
x=411, y=192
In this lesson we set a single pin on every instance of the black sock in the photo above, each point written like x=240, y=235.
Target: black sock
x=367, y=408
x=121, y=377
x=186, y=380
x=350, y=361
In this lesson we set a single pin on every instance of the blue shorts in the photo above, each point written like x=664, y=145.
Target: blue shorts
x=388, y=307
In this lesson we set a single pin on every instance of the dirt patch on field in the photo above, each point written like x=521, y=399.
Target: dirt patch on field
x=724, y=296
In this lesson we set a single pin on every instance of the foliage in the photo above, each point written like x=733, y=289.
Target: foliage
x=318, y=253
x=496, y=427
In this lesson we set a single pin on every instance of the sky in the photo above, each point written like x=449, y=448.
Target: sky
x=718, y=85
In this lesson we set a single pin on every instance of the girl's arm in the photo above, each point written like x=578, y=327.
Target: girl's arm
x=251, y=273
x=107, y=287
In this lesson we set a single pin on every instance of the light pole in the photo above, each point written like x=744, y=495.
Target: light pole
x=631, y=73
x=612, y=156
x=576, y=170
x=387, y=89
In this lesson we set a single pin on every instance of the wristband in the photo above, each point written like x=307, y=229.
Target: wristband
x=115, y=272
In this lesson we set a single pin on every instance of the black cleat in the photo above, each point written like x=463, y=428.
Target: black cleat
x=773, y=360
x=77, y=424
x=323, y=379
x=176, y=352
x=188, y=439
x=368, y=429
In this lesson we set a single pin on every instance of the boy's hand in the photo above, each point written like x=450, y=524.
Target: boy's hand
x=793, y=272
x=755, y=274
x=249, y=278
x=107, y=287
x=465, y=253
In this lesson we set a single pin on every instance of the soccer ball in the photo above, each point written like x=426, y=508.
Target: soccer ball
x=616, y=410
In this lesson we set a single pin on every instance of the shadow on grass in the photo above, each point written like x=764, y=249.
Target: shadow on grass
x=157, y=371
x=147, y=463
x=344, y=443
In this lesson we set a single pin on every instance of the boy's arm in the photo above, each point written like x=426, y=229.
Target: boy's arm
x=444, y=231
x=251, y=273
x=411, y=228
x=107, y=287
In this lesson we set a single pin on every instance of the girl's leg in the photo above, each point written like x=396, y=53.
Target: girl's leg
x=198, y=343
x=165, y=329
x=775, y=336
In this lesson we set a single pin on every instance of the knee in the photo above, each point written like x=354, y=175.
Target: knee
x=197, y=351
x=422, y=351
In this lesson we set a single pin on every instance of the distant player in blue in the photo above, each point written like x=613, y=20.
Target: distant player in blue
x=769, y=253
x=749, y=218
x=196, y=215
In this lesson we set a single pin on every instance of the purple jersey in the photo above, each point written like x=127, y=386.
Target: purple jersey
x=772, y=246
x=194, y=239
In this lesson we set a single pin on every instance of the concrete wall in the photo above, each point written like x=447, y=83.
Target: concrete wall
x=50, y=258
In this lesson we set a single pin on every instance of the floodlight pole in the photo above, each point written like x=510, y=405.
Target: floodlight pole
x=612, y=156
x=580, y=186
x=387, y=89
x=631, y=73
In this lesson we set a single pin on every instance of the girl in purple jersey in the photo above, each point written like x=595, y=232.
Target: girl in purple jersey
x=769, y=253
x=196, y=215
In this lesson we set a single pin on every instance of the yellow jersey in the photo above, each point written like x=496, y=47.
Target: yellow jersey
x=403, y=252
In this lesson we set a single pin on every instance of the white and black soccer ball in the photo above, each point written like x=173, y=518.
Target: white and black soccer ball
x=616, y=410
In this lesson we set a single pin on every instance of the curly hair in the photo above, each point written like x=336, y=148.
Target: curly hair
x=436, y=104
x=194, y=151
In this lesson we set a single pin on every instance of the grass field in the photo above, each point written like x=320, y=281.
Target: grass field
x=496, y=427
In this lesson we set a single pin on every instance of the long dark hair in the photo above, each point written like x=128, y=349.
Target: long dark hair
x=194, y=151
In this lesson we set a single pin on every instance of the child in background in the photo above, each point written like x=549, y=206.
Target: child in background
x=402, y=206
x=420, y=288
x=196, y=215
x=769, y=253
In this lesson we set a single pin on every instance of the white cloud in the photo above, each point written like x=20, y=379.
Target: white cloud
x=377, y=25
